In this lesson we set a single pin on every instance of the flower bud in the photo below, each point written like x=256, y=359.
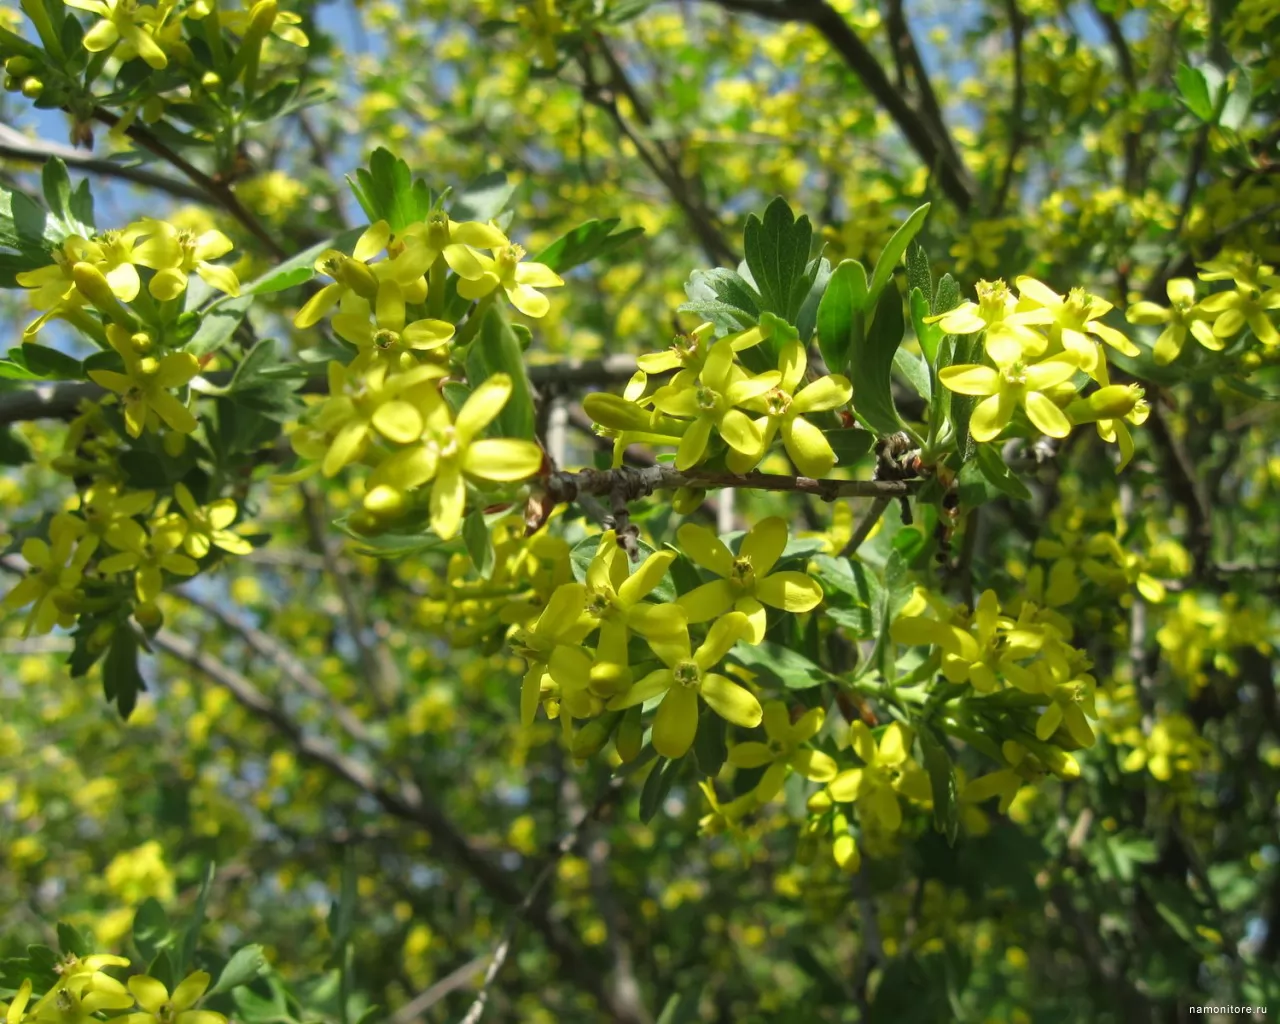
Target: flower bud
x=12, y=83
x=149, y=616
x=845, y=851
x=591, y=738
x=1060, y=763
x=262, y=16
x=1115, y=401
x=359, y=278
x=152, y=109
x=91, y=283
x=820, y=802
x=615, y=412
x=688, y=500
x=32, y=87
x=385, y=502
x=630, y=736
x=19, y=65
x=100, y=639
x=211, y=79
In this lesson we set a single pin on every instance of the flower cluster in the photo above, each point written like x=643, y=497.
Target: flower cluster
x=1040, y=344
x=573, y=680
x=386, y=408
x=84, y=988
x=1218, y=319
x=713, y=405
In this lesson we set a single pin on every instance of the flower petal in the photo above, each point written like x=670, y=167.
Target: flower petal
x=790, y=591
x=676, y=723
x=502, y=459
x=764, y=544
x=705, y=548
x=730, y=701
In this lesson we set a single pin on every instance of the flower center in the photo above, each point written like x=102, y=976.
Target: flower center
x=330, y=264
x=598, y=604
x=744, y=574
x=993, y=299
x=686, y=347
x=509, y=256
x=1016, y=374
x=385, y=338
x=438, y=229
x=777, y=402
x=777, y=747
x=447, y=442
x=687, y=673
x=706, y=398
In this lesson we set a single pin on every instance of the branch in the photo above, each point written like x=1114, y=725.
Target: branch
x=1186, y=487
x=61, y=400
x=905, y=44
x=934, y=152
x=217, y=190
x=562, y=848
x=1017, y=130
x=865, y=527
x=286, y=660
x=630, y=483
x=16, y=146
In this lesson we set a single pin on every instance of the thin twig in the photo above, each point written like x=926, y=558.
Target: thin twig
x=1017, y=130
x=562, y=848
x=16, y=146
x=217, y=190
x=866, y=525
x=415, y=1009
x=921, y=135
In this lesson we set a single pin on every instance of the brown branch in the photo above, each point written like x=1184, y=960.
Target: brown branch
x=16, y=146
x=284, y=659
x=904, y=43
x=217, y=190
x=1129, y=76
x=1186, y=486
x=1017, y=130
x=61, y=400
x=935, y=152
x=630, y=483
x=866, y=525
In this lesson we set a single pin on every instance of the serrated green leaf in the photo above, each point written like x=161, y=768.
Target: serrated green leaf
x=121, y=680
x=915, y=370
x=151, y=930
x=919, y=274
x=388, y=191
x=723, y=297
x=70, y=941
x=942, y=781
x=999, y=475
x=777, y=253
x=483, y=199
x=929, y=335
x=300, y=268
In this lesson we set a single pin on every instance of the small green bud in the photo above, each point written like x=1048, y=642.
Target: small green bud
x=12, y=83
x=385, y=502
x=688, y=500
x=149, y=616
x=630, y=736
x=211, y=80
x=32, y=87
x=20, y=65
x=845, y=851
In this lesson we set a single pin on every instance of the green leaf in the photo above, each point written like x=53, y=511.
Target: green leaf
x=915, y=370
x=483, y=199
x=1195, y=91
x=872, y=364
x=388, y=191
x=709, y=748
x=151, y=931
x=840, y=315
x=70, y=941
x=390, y=545
x=849, y=443
x=929, y=335
x=161, y=968
x=300, y=268
x=942, y=780
x=918, y=273
x=475, y=535
x=218, y=325
x=243, y=967
x=947, y=297
x=840, y=576
x=807, y=318
x=1235, y=110
x=121, y=680
x=191, y=937
x=497, y=350
x=657, y=785
x=999, y=475
x=72, y=211
x=723, y=297
x=47, y=363
x=342, y=911
x=13, y=450
x=893, y=250
x=584, y=243
x=779, y=665
x=777, y=253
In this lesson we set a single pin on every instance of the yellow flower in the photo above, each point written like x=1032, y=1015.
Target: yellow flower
x=15, y=1012
x=146, y=382
x=688, y=676
x=747, y=583
x=1183, y=315
x=1075, y=317
x=356, y=282
x=207, y=525
x=451, y=450
x=162, y=1008
x=456, y=242
x=125, y=22
x=615, y=600
x=785, y=752
x=689, y=351
x=388, y=337
x=561, y=626
x=193, y=253
x=52, y=584
x=1236, y=308
x=284, y=27
x=711, y=400
x=1014, y=383
x=78, y=997
x=723, y=817
x=148, y=556
x=519, y=280
x=1071, y=694
x=996, y=312
x=785, y=406
x=888, y=770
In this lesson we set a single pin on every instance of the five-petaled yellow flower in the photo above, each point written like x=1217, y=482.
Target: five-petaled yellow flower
x=519, y=280
x=747, y=582
x=785, y=751
x=162, y=1007
x=147, y=381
